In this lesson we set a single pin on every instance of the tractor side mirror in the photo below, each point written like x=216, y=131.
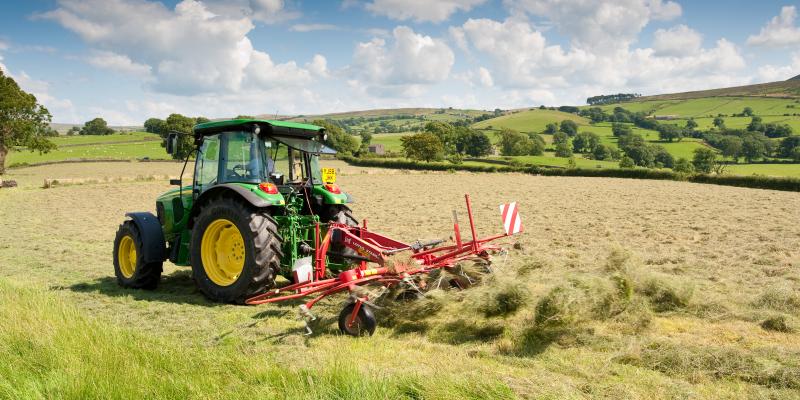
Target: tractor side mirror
x=175, y=182
x=172, y=143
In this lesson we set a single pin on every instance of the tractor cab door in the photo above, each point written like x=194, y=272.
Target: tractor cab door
x=206, y=168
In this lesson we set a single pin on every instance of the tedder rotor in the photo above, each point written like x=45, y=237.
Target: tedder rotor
x=259, y=207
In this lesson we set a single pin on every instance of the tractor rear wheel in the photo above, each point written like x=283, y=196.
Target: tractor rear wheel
x=235, y=251
x=129, y=266
x=342, y=215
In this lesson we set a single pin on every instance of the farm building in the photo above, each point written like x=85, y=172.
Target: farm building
x=376, y=149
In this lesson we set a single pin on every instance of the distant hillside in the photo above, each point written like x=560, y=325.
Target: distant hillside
x=533, y=120
x=388, y=112
x=62, y=128
x=783, y=89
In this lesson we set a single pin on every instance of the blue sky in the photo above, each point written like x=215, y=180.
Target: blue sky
x=127, y=60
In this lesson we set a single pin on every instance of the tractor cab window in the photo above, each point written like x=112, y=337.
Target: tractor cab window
x=243, y=158
x=207, y=165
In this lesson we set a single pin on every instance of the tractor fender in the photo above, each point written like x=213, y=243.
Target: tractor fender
x=154, y=247
x=227, y=188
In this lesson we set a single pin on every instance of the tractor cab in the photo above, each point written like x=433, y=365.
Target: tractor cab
x=272, y=155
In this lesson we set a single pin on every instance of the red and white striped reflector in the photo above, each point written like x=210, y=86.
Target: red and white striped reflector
x=511, y=220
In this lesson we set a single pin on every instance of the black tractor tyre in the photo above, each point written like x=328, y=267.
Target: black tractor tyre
x=144, y=275
x=342, y=215
x=364, y=324
x=262, y=250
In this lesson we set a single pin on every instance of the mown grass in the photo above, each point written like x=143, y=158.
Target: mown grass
x=600, y=274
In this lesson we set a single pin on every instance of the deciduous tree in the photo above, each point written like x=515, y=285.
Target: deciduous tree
x=23, y=121
x=423, y=146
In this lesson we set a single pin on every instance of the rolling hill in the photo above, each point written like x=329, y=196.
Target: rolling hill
x=789, y=88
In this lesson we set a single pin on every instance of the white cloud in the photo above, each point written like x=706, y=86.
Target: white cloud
x=118, y=62
x=412, y=60
x=521, y=55
x=780, y=31
x=266, y=11
x=485, y=77
x=604, y=24
x=3, y=45
x=318, y=66
x=421, y=10
x=313, y=27
x=522, y=61
x=772, y=73
x=677, y=41
x=189, y=50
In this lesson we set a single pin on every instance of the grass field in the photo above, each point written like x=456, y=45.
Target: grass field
x=124, y=146
x=616, y=295
x=534, y=120
x=711, y=106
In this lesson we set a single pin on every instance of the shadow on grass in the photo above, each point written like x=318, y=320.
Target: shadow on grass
x=177, y=287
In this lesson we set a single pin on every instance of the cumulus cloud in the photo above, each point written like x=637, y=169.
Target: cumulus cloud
x=780, y=31
x=170, y=44
x=523, y=61
x=420, y=10
x=485, y=77
x=604, y=24
x=118, y=62
x=266, y=11
x=413, y=59
x=677, y=41
x=318, y=66
x=772, y=73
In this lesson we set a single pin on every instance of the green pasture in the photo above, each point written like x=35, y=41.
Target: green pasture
x=529, y=121
x=711, y=106
x=129, y=145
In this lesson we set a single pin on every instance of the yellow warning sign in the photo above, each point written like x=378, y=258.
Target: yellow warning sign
x=329, y=175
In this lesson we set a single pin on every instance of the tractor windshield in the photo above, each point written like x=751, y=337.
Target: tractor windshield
x=230, y=157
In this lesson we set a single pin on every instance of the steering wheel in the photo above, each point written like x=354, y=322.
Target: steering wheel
x=237, y=168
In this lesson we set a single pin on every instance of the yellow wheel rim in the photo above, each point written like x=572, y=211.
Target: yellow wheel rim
x=126, y=255
x=222, y=252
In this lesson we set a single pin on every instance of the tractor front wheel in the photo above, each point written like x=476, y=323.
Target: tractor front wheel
x=235, y=252
x=364, y=323
x=129, y=266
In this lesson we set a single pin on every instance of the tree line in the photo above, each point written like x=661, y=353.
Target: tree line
x=611, y=98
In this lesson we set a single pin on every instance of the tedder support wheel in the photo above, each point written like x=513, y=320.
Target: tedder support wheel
x=342, y=215
x=235, y=251
x=364, y=323
x=129, y=265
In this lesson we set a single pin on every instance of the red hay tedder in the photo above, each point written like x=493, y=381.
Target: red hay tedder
x=356, y=318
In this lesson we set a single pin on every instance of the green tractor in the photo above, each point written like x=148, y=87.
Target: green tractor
x=249, y=215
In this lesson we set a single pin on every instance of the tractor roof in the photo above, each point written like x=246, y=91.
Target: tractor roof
x=268, y=126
